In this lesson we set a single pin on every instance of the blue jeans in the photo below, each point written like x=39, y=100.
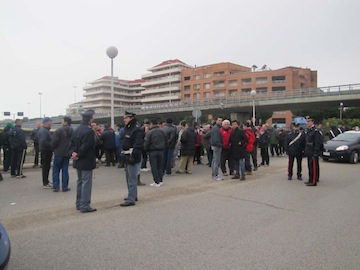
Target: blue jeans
x=215, y=161
x=156, y=162
x=60, y=163
x=131, y=172
x=169, y=154
x=83, y=191
x=247, y=162
x=239, y=167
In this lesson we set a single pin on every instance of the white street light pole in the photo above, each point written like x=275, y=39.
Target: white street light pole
x=112, y=52
x=40, y=105
x=253, y=94
x=341, y=109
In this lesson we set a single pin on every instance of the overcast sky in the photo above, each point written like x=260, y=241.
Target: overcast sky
x=49, y=46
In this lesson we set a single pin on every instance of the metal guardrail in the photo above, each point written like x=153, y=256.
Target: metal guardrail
x=219, y=102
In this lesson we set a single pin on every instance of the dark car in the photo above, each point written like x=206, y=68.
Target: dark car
x=345, y=146
x=5, y=249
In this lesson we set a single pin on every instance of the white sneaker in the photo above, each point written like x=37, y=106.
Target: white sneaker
x=48, y=186
x=219, y=178
x=161, y=183
x=155, y=185
x=144, y=169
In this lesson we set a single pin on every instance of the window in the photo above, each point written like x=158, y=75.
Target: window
x=278, y=79
x=279, y=89
x=197, y=77
x=233, y=83
x=261, y=90
x=208, y=75
x=246, y=81
x=219, y=73
x=196, y=86
x=187, y=78
x=233, y=93
x=187, y=96
x=187, y=88
x=220, y=83
x=196, y=95
x=261, y=80
x=245, y=91
x=207, y=95
x=207, y=85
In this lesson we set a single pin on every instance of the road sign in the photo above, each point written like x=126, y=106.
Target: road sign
x=196, y=113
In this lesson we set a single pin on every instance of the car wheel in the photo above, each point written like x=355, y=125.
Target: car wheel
x=325, y=159
x=354, y=157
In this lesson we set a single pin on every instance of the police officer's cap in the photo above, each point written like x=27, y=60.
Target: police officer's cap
x=308, y=119
x=88, y=113
x=129, y=114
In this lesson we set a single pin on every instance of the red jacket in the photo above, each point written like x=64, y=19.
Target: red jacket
x=250, y=135
x=225, y=133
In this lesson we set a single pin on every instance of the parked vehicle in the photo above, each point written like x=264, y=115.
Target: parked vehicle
x=345, y=146
x=5, y=249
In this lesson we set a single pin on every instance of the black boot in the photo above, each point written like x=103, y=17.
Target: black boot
x=139, y=183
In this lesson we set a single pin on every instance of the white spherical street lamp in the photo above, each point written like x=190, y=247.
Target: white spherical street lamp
x=112, y=52
x=253, y=94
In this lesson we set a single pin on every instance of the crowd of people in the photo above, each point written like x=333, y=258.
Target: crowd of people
x=231, y=148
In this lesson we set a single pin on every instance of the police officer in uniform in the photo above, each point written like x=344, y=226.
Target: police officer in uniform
x=84, y=161
x=294, y=147
x=133, y=145
x=312, y=151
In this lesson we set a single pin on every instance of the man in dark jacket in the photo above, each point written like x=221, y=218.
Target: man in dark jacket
x=61, y=143
x=83, y=142
x=133, y=144
x=155, y=144
x=44, y=136
x=294, y=147
x=264, y=141
x=216, y=142
x=313, y=148
x=6, y=146
x=18, y=149
x=170, y=132
x=108, y=139
x=187, y=150
x=238, y=141
x=34, y=137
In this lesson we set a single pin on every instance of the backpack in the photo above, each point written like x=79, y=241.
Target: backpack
x=250, y=135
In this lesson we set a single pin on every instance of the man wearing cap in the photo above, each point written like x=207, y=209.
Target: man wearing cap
x=18, y=149
x=44, y=137
x=61, y=143
x=312, y=151
x=83, y=142
x=294, y=147
x=133, y=144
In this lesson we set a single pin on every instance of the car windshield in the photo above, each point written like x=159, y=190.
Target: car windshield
x=347, y=137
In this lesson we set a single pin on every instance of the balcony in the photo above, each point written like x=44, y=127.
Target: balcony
x=162, y=72
x=162, y=98
x=162, y=80
x=161, y=90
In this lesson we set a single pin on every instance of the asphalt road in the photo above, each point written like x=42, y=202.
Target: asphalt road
x=192, y=222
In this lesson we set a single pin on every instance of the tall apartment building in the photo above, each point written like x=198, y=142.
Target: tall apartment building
x=98, y=94
x=163, y=84
x=228, y=79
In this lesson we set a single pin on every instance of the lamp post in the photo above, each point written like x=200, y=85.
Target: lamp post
x=253, y=94
x=40, y=105
x=112, y=52
x=341, y=109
